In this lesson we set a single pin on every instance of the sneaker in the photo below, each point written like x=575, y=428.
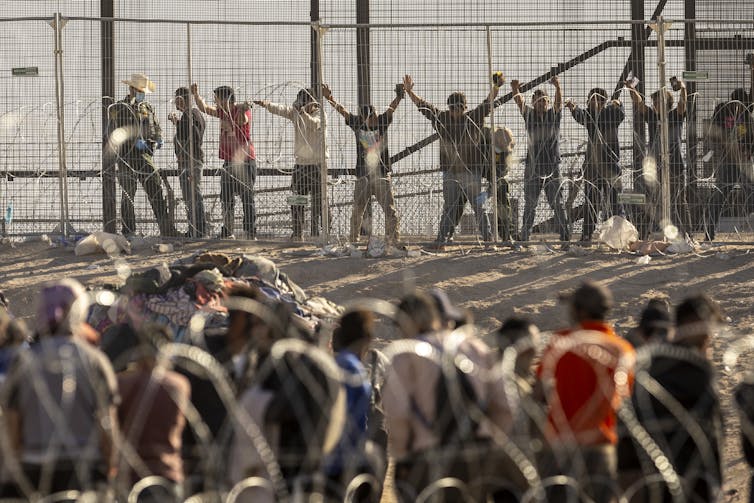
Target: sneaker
x=226, y=234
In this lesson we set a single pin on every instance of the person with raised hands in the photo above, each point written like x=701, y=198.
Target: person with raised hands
x=461, y=158
x=543, y=157
x=373, y=168
x=237, y=153
x=309, y=151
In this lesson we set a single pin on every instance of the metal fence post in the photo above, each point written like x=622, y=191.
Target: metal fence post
x=663, y=165
x=193, y=229
x=323, y=131
x=493, y=168
x=109, y=187
x=57, y=25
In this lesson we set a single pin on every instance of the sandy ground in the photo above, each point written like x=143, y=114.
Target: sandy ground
x=492, y=284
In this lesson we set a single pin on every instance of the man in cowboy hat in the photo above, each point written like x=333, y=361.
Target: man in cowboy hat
x=136, y=134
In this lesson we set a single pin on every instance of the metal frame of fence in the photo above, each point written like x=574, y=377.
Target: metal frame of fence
x=332, y=60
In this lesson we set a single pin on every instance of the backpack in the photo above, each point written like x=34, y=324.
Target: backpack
x=457, y=415
x=458, y=409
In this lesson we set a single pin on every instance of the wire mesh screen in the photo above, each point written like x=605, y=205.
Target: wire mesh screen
x=362, y=65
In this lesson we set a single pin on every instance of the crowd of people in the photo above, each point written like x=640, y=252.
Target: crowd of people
x=469, y=150
x=271, y=407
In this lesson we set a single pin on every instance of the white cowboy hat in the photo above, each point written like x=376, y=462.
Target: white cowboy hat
x=141, y=82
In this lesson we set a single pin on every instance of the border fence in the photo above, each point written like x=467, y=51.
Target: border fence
x=56, y=177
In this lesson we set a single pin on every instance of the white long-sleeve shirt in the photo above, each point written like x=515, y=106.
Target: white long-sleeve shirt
x=307, y=142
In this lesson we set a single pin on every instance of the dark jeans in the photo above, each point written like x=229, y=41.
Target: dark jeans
x=237, y=179
x=458, y=187
x=64, y=477
x=131, y=172
x=548, y=178
x=594, y=468
x=307, y=179
x=483, y=469
x=727, y=175
x=190, y=178
x=506, y=228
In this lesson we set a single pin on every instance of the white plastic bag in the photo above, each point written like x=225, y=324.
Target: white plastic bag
x=102, y=242
x=617, y=233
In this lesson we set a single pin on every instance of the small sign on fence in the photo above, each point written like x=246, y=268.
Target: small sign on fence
x=695, y=75
x=26, y=71
x=629, y=198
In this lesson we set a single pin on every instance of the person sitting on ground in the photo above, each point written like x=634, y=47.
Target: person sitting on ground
x=354, y=454
x=676, y=402
x=60, y=399
x=435, y=428
x=298, y=403
x=585, y=372
x=654, y=325
x=151, y=415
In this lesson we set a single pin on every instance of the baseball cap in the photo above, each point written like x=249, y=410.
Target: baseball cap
x=447, y=310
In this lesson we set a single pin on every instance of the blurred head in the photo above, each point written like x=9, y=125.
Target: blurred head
x=522, y=332
x=241, y=322
x=62, y=307
x=12, y=331
x=354, y=332
x=181, y=98
x=540, y=101
x=740, y=94
x=657, y=100
x=589, y=302
x=655, y=324
x=225, y=97
x=457, y=104
x=696, y=319
x=450, y=316
x=418, y=315
x=151, y=336
x=596, y=99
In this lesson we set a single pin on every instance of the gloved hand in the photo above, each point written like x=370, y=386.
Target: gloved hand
x=141, y=145
x=158, y=144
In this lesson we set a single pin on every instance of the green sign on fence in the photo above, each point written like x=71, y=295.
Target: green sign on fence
x=26, y=71
x=695, y=75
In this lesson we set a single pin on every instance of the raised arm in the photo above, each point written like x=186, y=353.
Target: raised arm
x=682, y=99
x=201, y=104
x=327, y=94
x=557, y=104
x=426, y=108
x=576, y=112
x=517, y=96
x=275, y=109
x=484, y=108
x=400, y=93
x=636, y=98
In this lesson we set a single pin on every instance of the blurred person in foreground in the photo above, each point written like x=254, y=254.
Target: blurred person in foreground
x=676, y=401
x=151, y=415
x=298, y=402
x=585, y=373
x=60, y=398
x=355, y=454
x=441, y=419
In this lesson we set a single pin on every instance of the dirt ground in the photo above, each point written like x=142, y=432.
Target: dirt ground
x=493, y=284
